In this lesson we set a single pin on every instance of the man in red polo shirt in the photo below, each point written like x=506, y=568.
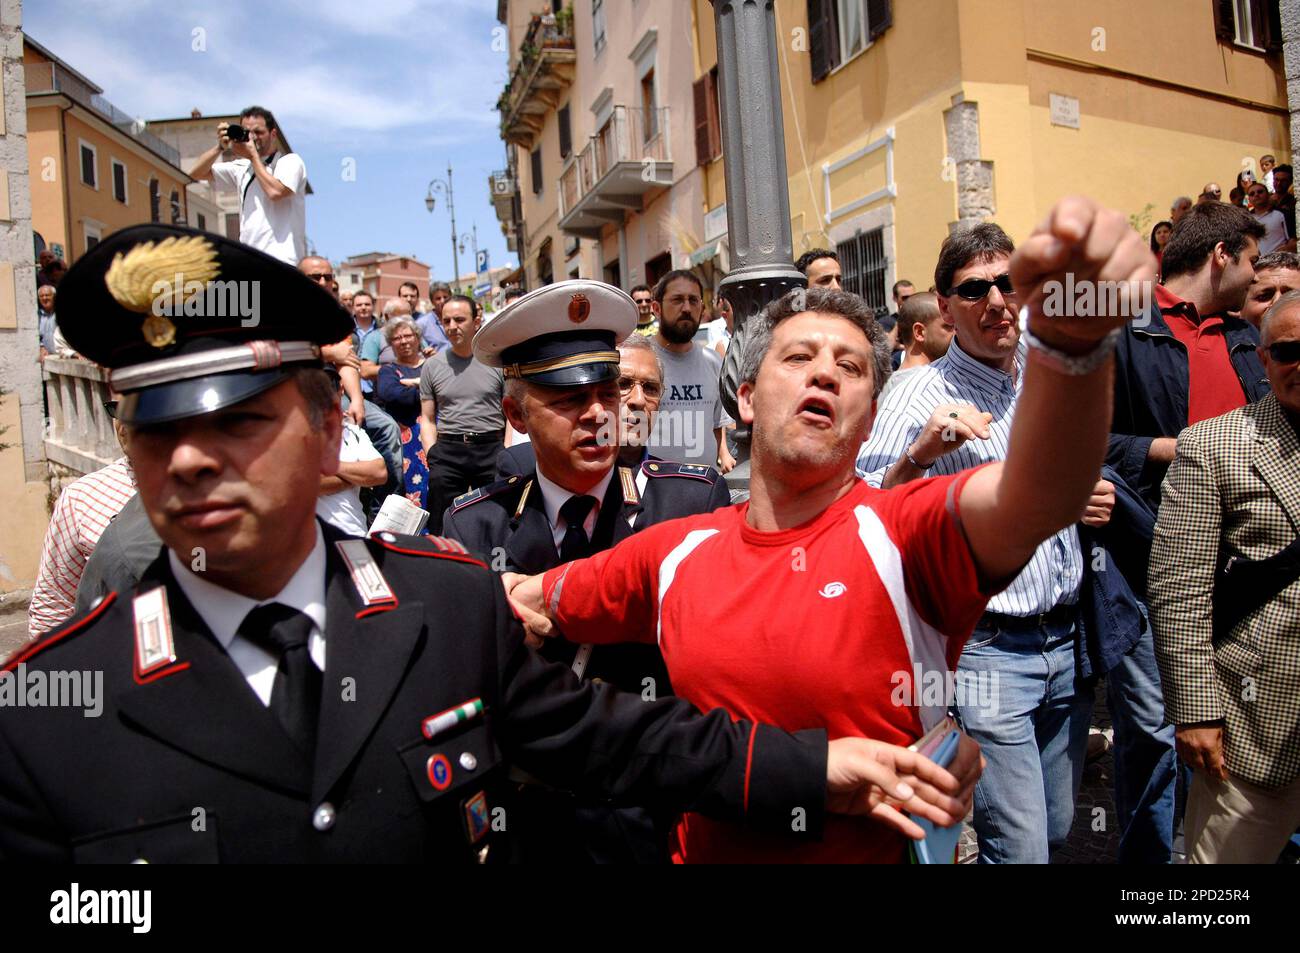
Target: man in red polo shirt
x=1188, y=359
x=823, y=601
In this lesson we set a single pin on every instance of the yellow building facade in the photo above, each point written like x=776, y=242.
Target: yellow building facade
x=93, y=170
x=963, y=110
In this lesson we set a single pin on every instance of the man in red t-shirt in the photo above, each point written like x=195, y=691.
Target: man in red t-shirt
x=822, y=601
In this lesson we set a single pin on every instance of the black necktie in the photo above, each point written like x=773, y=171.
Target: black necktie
x=575, y=544
x=295, y=696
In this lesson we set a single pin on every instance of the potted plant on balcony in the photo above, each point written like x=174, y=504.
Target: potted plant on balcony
x=564, y=21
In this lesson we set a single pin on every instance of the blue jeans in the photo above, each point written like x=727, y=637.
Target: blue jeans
x=1031, y=720
x=1145, y=762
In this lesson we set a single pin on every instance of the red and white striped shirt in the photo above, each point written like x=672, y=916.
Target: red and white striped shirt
x=81, y=513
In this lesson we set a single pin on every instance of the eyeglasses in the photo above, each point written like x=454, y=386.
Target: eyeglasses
x=1285, y=352
x=973, y=289
x=652, y=390
x=110, y=406
x=321, y=277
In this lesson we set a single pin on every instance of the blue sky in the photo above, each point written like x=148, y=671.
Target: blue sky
x=399, y=86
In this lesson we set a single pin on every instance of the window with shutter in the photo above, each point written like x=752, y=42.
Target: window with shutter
x=1224, y=20
x=1267, y=17
x=880, y=17
x=715, y=115
x=536, y=158
x=700, y=93
x=823, y=39
x=566, y=132
x=88, y=162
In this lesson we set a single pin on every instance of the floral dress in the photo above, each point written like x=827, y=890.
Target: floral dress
x=403, y=403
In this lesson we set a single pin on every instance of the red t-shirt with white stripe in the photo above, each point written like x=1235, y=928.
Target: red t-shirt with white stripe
x=804, y=628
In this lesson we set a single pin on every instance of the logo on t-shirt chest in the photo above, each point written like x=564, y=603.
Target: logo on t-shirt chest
x=686, y=392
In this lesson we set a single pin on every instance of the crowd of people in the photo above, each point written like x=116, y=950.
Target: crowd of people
x=1022, y=504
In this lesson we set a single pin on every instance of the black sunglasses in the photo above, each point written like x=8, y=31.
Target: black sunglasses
x=111, y=407
x=973, y=289
x=1285, y=352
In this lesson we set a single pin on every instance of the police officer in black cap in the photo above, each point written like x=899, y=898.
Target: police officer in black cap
x=274, y=690
x=565, y=386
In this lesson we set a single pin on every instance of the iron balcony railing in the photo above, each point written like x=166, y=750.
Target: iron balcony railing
x=630, y=135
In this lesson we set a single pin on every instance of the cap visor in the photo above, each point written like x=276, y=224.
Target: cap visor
x=196, y=396
x=576, y=376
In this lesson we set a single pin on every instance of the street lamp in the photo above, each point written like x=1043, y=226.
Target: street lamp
x=438, y=185
x=474, y=246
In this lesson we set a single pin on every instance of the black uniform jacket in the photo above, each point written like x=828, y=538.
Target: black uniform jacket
x=505, y=524
x=186, y=764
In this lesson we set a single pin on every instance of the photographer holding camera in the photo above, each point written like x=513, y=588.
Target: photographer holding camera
x=272, y=216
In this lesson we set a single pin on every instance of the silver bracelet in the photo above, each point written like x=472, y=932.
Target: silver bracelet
x=1073, y=365
x=912, y=460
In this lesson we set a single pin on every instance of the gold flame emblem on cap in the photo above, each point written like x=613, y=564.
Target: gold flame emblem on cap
x=157, y=278
x=579, y=308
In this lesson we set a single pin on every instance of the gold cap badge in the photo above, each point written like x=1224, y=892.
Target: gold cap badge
x=161, y=277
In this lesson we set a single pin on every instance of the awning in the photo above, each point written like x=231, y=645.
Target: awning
x=707, y=252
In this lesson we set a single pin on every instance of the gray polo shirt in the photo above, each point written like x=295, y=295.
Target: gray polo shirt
x=468, y=393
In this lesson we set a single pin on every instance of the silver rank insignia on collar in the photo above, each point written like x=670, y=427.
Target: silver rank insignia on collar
x=370, y=582
x=154, y=645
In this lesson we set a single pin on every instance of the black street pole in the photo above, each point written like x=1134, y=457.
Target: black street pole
x=438, y=185
x=758, y=197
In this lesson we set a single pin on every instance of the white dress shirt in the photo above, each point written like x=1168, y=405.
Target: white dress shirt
x=555, y=496
x=224, y=611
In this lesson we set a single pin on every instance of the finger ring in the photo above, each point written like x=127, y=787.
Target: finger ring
x=953, y=414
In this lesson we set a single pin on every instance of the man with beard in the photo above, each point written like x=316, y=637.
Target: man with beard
x=691, y=416
x=571, y=393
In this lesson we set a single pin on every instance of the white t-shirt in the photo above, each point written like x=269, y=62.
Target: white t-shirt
x=1275, y=235
x=691, y=408
x=343, y=509
x=278, y=228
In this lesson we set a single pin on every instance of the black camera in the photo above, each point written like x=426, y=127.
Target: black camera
x=236, y=133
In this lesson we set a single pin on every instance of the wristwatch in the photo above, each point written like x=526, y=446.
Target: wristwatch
x=1073, y=365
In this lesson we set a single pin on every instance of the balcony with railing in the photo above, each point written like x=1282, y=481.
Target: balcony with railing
x=80, y=434
x=544, y=71
x=503, y=188
x=48, y=78
x=627, y=159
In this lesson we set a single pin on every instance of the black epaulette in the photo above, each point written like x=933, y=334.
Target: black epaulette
x=665, y=468
x=60, y=634
x=440, y=546
x=486, y=492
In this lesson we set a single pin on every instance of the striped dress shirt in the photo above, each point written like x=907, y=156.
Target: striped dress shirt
x=1055, y=571
x=81, y=514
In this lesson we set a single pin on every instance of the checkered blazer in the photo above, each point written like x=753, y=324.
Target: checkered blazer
x=1232, y=490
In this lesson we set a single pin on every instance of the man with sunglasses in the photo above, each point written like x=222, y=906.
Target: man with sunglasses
x=1225, y=594
x=379, y=426
x=587, y=410
x=646, y=325
x=954, y=414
